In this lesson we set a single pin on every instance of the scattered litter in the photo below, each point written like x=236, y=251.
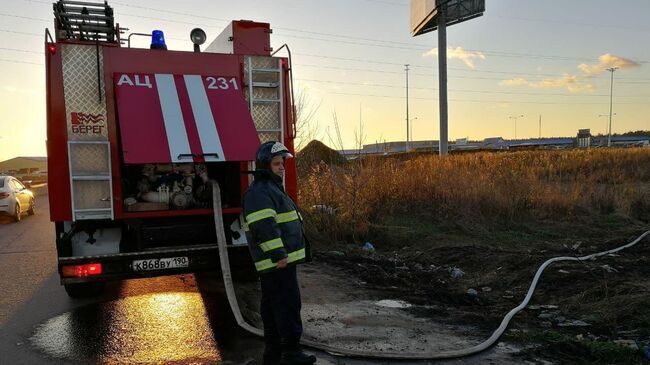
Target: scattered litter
x=368, y=247
x=472, y=293
x=627, y=343
x=574, y=323
x=580, y=337
x=542, y=306
x=592, y=337
x=336, y=253
x=389, y=303
x=546, y=315
x=561, y=271
x=322, y=208
x=608, y=268
x=646, y=352
x=456, y=273
x=486, y=289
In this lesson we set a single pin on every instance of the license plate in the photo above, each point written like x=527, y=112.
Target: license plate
x=160, y=264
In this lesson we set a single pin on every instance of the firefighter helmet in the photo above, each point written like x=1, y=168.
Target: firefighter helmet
x=267, y=151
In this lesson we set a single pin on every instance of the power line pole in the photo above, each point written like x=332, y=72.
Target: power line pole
x=540, y=126
x=406, y=68
x=611, y=96
x=442, y=79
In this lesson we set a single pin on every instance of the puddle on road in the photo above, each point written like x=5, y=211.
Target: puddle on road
x=154, y=328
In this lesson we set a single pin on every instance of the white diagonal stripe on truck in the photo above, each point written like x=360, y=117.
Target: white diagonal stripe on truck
x=173, y=117
x=208, y=134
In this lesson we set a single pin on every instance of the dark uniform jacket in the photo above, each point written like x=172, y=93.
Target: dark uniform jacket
x=274, y=224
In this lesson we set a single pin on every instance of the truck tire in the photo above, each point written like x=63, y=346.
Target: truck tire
x=17, y=213
x=84, y=290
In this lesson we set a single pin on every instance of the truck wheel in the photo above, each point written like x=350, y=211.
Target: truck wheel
x=17, y=213
x=32, y=207
x=84, y=290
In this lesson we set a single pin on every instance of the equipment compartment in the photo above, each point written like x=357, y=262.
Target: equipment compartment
x=179, y=186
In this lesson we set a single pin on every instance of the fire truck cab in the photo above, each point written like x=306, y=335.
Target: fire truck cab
x=135, y=137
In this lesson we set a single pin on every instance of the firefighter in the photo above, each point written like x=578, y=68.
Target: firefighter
x=277, y=243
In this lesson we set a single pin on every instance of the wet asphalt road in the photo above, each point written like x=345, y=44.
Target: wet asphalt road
x=168, y=320
x=176, y=319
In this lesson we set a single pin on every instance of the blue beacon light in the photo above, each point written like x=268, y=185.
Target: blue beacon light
x=158, y=40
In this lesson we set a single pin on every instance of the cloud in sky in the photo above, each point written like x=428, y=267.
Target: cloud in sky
x=606, y=61
x=518, y=81
x=576, y=83
x=20, y=90
x=468, y=57
x=571, y=82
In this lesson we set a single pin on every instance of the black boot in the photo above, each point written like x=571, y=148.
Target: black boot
x=272, y=354
x=272, y=348
x=293, y=355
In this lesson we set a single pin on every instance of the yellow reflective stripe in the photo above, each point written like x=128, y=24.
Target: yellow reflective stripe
x=259, y=215
x=296, y=255
x=264, y=264
x=292, y=257
x=271, y=244
x=287, y=217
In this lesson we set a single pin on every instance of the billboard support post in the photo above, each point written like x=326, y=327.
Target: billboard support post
x=442, y=81
x=428, y=16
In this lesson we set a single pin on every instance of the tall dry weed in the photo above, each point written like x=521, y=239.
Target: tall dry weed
x=490, y=187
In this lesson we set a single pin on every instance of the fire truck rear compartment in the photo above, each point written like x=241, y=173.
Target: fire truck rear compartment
x=179, y=186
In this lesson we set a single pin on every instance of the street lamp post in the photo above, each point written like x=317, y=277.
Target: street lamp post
x=611, y=95
x=406, y=68
x=606, y=122
x=410, y=131
x=515, y=117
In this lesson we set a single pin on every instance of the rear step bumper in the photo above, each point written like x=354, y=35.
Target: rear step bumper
x=120, y=266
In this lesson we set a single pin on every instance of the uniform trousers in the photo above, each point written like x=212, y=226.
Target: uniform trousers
x=280, y=307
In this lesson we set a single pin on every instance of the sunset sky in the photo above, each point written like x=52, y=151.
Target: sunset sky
x=522, y=57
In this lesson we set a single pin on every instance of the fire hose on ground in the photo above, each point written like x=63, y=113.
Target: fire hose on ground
x=232, y=300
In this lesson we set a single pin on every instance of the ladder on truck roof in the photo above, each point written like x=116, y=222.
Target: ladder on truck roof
x=264, y=93
x=83, y=20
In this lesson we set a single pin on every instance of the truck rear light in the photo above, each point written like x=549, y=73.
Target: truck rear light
x=51, y=48
x=4, y=195
x=81, y=270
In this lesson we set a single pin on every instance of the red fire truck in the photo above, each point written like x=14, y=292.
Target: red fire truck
x=135, y=136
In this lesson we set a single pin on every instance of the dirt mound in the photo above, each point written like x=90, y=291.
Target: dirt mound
x=316, y=152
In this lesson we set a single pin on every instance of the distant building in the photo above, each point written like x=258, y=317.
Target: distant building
x=26, y=165
x=583, y=139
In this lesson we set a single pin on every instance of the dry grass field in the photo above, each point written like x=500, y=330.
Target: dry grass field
x=497, y=216
x=494, y=188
